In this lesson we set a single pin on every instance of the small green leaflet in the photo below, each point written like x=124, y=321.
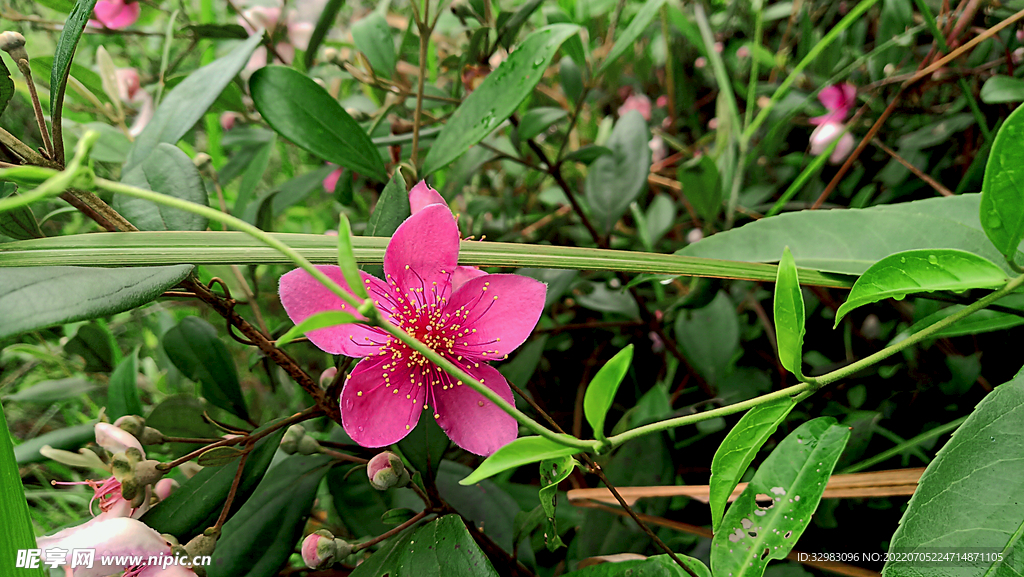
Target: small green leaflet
x=789, y=316
x=553, y=472
x=522, y=451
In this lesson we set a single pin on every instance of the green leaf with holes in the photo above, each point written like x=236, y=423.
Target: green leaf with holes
x=553, y=472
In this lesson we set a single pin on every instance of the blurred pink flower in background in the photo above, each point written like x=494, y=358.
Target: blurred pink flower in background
x=228, y=119
x=115, y=14
x=299, y=23
x=331, y=181
x=638, y=102
x=838, y=101
x=129, y=88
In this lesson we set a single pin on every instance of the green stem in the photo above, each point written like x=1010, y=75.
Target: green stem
x=818, y=48
x=755, y=64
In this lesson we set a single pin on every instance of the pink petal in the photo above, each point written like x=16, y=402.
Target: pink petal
x=463, y=274
x=471, y=421
x=331, y=181
x=843, y=149
x=169, y=571
x=422, y=195
x=838, y=99
x=116, y=14
x=423, y=253
x=500, y=309
x=111, y=537
x=372, y=412
x=116, y=439
x=302, y=296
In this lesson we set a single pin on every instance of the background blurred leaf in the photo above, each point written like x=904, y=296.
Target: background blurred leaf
x=123, y=393
x=372, y=37
x=195, y=348
x=615, y=180
x=636, y=27
x=69, y=438
x=709, y=337
x=94, y=344
x=424, y=447
x=51, y=391
x=323, y=24
x=1001, y=88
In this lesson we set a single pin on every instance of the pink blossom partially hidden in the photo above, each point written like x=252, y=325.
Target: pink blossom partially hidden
x=638, y=102
x=484, y=319
x=823, y=136
x=115, y=14
x=116, y=541
x=838, y=100
x=130, y=90
x=299, y=24
x=331, y=181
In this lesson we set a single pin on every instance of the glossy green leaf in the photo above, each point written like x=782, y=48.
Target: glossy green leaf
x=347, y=260
x=95, y=345
x=323, y=25
x=303, y=112
x=195, y=348
x=738, y=449
x=537, y=120
x=69, y=438
x=702, y=186
x=184, y=105
x=508, y=30
x=982, y=321
x=170, y=171
x=70, y=34
x=18, y=532
x=498, y=95
x=218, y=456
x=219, y=247
x=38, y=297
x=588, y=154
x=315, y=322
x=789, y=316
x=615, y=180
x=522, y=451
x=629, y=36
x=794, y=477
x=709, y=336
x=851, y=240
x=123, y=393
x=602, y=388
x=372, y=37
x=6, y=86
x=1001, y=88
x=442, y=547
x=196, y=504
x=397, y=516
x=553, y=472
x=424, y=447
x=921, y=271
x=487, y=504
x=968, y=499
x=259, y=538
x=657, y=566
x=1002, y=193
x=51, y=391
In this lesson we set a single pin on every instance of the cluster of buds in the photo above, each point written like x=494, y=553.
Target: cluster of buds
x=135, y=473
x=297, y=441
x=386, y=470
x=136, y=425
x=321, y=549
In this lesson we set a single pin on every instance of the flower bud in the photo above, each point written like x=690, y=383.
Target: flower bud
x=318, y=550
x=147, y=473
x=164, y=487
x=327, y=377
x=13, y=43
x=203, y=544
x=151, y=436
x=290, y=441
x=202, y=160
x=386, y=470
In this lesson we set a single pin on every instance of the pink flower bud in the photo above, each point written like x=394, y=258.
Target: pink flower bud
x=662, y=101
x=823, y=136
x=331, y=182
x=164, y=487
x=128, y=83
x=321, y=549
x=700, y=62
x=695, y=235
x=115, y=439
x=743, y=52
x=638, y=102
x=327, y=377
x=227, y=120
x=386, y=470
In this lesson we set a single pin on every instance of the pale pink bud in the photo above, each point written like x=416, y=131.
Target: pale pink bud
x=695, y=235
x=662, y=101
x=327, y=377
x=260, y=17
x=227, y=120
x=164, y=487
x=128, y=83
x=638, y=102
x=115, y=439
x=743, y=52
x=386, y=470
x=321, y=549
x=713, y=124
x=331, y=181
x=823, y=136
x=700, y=62
x=719, y=47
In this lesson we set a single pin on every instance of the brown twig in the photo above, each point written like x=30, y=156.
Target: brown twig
x=917, y=171
x=234, y=487
x=415, y=519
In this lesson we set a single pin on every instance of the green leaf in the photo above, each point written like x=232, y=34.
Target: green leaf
x=789, y=316
x=230, y=31
x=969, y=496
x=347, y=260
x=315, y=322
x=182, y=416
x=65, y=51
x=982, y=321
x=170, y=171
x=537, y=120
x=218, y=456
x=390, y=212
x=661, y=215
x=69, y=438
x=522, y=451
x=260, y=537
x=739, y=448
x=94, y=344
x=615, y=180
x=19, y=223
x=601, y=390
x=184, y=105
x=397, y=516
x=709, y=336
x=628, y=38
x=42, y=65
x=303, y=112
x=196, y=504
x=1000, y=88
x=18, y=533
x=587, y=154
x=442, y=547
x=194, y=347
x=1002, y=194
x=553, y=472
x=656, y=566
x=323, y=25
x=508, y=30
x=38, y=297
x=917, y=271
x=6, y=86
x=247, y=206
x=123, y=393
x=498, y=95
x=424, y=447
x=702, y=186
x=372, y=37
x=850, y=241
x=794, y=477
x=51, y=391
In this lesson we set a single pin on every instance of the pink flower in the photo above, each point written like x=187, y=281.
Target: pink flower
x=299, y=24
x=130, y=90
x=838, y=101
x=116, y=541
x=469, y=317
x=115, y=14
x=331, y=181
x=228, y=119
x=638, y=102
x=823, y=136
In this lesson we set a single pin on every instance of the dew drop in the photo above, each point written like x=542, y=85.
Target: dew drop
x=903, y=260
x=993, y=220
x=933, y=259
